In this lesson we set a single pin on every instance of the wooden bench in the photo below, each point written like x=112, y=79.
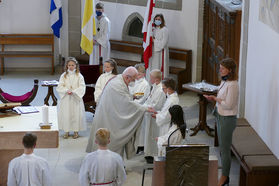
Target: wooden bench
x=184, y=75
x=26, y=39
x=258, y=165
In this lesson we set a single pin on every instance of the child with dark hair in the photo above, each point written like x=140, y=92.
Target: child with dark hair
x=177, y=121
x=29, y=169
x=162, y=117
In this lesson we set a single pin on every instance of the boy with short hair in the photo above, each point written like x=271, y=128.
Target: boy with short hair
x=29, y=169
x=102, y=167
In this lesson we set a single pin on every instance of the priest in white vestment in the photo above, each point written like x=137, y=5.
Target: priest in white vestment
x=71, y=89
x=155, y=100
x=163, y=118
x=160, y=54
x=110, y=68
x=118, y=113
x=141, y=85
x=101, y=39
x=29, y=169
x=102, y=167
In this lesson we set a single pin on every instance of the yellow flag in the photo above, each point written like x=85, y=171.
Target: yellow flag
x=88, y=27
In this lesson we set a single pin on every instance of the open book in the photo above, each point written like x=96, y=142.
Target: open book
x=26, y=109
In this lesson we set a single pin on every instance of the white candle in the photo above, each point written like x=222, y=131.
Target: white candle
x=45, y=114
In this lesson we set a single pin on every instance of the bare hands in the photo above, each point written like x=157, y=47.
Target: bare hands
x=152, y=110
x=210, y=97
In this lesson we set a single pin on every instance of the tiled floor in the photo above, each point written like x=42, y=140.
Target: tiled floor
x=65, y=161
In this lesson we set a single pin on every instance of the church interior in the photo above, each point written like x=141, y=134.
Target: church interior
x=201, y=34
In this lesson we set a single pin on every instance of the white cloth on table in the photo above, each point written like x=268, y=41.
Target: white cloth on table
x=160, y=52
x=100, y=84
x=29, y=170
x=102, y=166
x=118, y=113
x=71, y=112
x=175, y=139
x=102, y=37
x=141, y=86
x=163, y=117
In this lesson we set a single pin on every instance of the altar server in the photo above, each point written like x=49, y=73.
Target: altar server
x=160, y=54
x=177, y=120
x=110, y=68
x=71, y=89
x=102, y=167
x=163, y=117
x=29, y=169
x=141, y=85
x=101, y=40
x=156, y=100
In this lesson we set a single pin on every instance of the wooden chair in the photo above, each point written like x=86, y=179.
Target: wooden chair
x=24, y=99
x=91, y=74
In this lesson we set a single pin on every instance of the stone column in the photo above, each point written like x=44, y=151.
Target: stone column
x=243, y=56
x=74, y=30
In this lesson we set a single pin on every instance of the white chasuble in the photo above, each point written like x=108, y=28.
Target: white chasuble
x=118, y=113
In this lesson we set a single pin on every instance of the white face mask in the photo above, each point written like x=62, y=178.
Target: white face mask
x=168, y=94
x=131, y=84
x=71, y=72
x=108, y=72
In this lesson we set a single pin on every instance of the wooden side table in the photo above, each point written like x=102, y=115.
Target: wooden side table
x=202, y=124
x=50, y=92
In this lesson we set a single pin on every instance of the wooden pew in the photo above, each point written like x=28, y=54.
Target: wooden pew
x=258, y=165
x=26, y=39
x=184, y=75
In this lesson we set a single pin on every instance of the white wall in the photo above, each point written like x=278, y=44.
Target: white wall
x=182, y=25
x=262, y=79
x=31, y=16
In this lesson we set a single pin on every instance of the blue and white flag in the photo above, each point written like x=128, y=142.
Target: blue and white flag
x=56, y=20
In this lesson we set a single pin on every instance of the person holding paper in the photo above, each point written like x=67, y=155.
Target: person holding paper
x=29, y=169
x=225, y=112
x=71, y=89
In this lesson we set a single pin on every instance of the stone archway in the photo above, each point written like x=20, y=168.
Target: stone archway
x=132, y=29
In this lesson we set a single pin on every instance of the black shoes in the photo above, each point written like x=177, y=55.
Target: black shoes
x=226, y=183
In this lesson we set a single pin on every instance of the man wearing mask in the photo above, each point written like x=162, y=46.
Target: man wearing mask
x=118, y=112
x=101, y=39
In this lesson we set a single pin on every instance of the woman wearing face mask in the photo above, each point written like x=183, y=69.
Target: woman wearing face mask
x=160, y=54
x=110, y=68
x=225, y=112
